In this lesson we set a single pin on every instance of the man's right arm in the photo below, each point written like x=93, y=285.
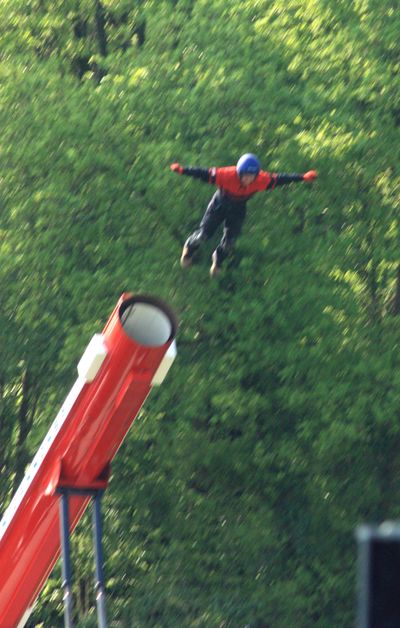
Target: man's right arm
x=207, y=175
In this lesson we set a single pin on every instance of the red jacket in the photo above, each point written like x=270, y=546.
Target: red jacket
x=229, y=182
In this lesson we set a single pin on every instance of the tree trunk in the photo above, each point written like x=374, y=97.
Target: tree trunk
x=101, y=28
x=396, y=301
x=26, y=414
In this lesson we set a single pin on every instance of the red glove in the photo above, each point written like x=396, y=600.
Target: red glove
x=310, y=175
x=176, y=168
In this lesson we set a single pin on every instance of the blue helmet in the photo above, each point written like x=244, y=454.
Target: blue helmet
x=248, y=164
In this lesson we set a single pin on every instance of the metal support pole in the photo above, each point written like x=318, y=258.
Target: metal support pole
x=98, y=554
x=66, y=558
x=96, y=495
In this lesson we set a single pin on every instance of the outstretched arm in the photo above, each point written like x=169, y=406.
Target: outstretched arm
x=283, y=179
x=204, y=174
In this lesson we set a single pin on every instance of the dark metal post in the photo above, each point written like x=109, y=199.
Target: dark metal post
x=66, y=558
x=98, y=554
x=96, y=495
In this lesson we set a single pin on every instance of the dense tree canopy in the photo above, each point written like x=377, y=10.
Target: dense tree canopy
x=235, y=498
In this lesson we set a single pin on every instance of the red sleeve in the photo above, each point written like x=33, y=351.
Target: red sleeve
x=223, y=176
x=265, y=181
x=219, y=175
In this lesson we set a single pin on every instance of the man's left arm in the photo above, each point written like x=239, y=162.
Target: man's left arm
x=278, y=178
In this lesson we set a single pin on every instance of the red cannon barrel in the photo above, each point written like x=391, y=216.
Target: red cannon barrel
x=115, y=375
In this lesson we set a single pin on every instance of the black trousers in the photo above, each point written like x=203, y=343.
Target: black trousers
x=220, y=210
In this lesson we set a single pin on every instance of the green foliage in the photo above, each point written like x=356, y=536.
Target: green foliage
x=235, y=497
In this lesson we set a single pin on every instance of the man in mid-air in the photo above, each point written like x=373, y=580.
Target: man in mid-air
x=236, y=184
